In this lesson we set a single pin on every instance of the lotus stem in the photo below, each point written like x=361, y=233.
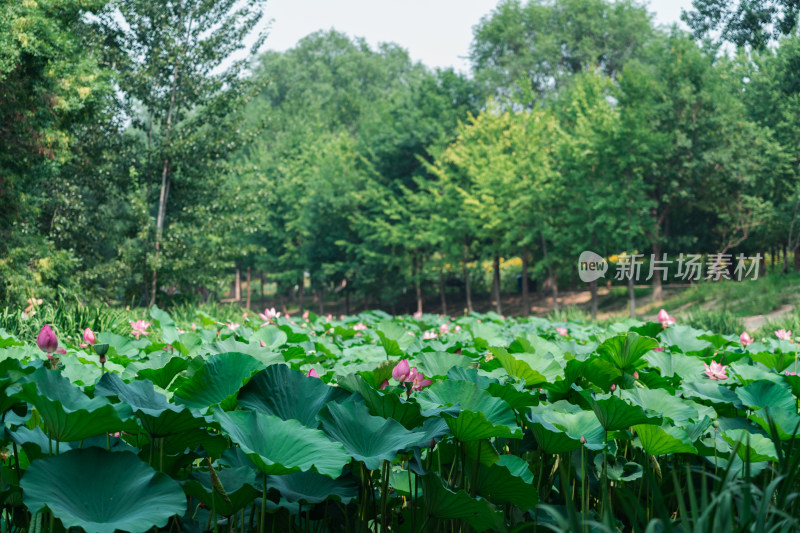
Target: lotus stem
x=263, y=506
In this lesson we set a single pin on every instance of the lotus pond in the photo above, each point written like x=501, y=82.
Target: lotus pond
x=381, y=423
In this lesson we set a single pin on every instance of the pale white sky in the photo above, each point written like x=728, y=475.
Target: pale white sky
x=436, y=32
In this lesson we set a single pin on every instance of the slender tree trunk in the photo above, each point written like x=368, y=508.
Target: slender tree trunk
x=237, y=288
x=785, y=263
x=165, y=179
x=347, y=301
x=442, y=292
x=796, y=256
x=301, y=292
x=262, y=287
x=593, y=289
x=631, y=297
x=321, y=302
x=552, y=274
x=772, y=257
x=658, y=293
x=248, y=288
x=496, y=283
x=467, y=288
x=526, y=306
x=418, y=282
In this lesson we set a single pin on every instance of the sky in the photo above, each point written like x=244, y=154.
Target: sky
x=435, y=32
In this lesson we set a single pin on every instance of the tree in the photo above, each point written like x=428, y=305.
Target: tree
x=746, y=22
x=181, y=81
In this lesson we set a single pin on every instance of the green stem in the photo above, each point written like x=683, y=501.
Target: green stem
x=263, y=506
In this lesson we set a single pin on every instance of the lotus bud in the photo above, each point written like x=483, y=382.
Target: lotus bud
x=61, y=350
x=613, y=387
x=635, y=374
x=432, y=445
x=88, y=336
x=583, y=439
x=401, y=371
x=312, y=374
x=47, y=340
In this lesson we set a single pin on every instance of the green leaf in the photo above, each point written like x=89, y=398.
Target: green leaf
x=311, y=488
x=102, y=491
x=507, y=481
x=272, y=336
x=445, y=504
x=162, y=368
x=625, y=351
x=535, y=369
x=438, y=364
x=220, y=378
x=370, y=439
x=289, y=394
x=237, y=483
x=279, y=446
x=661, y=440
x=387, y=404
x=615, y=414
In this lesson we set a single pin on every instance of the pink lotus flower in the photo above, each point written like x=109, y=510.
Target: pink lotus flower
x=139, y=328
x=263, y=344
x=784, y=335
x=659, y=349
x=429, y=334
x=635, y=374
x=61, y=350
x=412, y=333
x=312, y=374
x=329, y=318
x=305, y=315
x=562, y=331
x=745, y=339
x=47, y=340
x=232, y=326
x=89, y=337
x=384, y=384
x=665, y=319
x=401, y=371
x=269, y=315
x=444, y=329
x=787, y=373
x=418, y=380
x=417, y=315
x=716, y=371
x=456, y=329
x=360, y=326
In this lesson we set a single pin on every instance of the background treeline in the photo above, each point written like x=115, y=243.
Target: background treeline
x=147, y=155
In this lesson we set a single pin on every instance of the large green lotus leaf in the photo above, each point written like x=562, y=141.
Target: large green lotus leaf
x=438, y=364
x=778, y=361
x=675, y=364
x=624, y=351
x=311, y=488
x=535, y=369
x=370, y=439
x=754, y=446
x=761, y=394
x=472, y=413
x=474, y=375
x=158, y=417
x=122, y=345
x=289, y=394
x=35, y=443
x=67, y=412
x=615, y=414
x=278, y=446
x=514, y=394
x=507, y=481
x=748, y=373
x=542, y=346
x=711, y=391
x=165, y=323
x=102, y=491
x=266, y=356
x=272, y=336
x=488, y=333
x=387, y=404
x=661, y=440
x=685, y=339
x=558, y=427
x=81, y=372
x=237, y=483
x=444, y=504
x=678, y=410
x=220, y=378
x=11, y=372
x=162, y=368
x=600, y=372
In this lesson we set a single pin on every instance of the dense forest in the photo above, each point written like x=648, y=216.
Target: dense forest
x=148, y=156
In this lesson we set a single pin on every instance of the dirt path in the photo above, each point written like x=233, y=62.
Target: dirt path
x=752, y=323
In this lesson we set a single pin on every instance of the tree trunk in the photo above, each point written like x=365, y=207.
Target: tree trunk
x=796, y=258
x=237, y=288
x=593, y=289
x=301, y=292
x=552, y=274
x=658, y=293
x=321, y=302
x=262, y=287
x=418, y=282
x=467, y=288
x=526, y=306
x=496, y=283
x=248, y=288
x=347, y=301
x=631, y=297
x=162, y=200
x=442, y=292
